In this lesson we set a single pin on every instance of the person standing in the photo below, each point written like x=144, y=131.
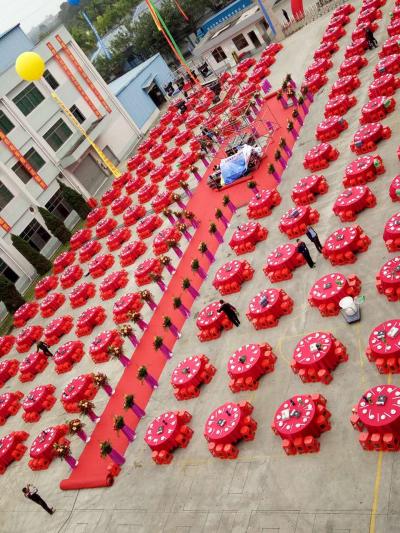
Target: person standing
x=313, y=236
x=304, y=251
x=285, y=14
x=32, y=494
x=369, y=35
x=42, y=346
x=230, y=311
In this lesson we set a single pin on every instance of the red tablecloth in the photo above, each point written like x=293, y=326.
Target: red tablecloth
x=320, y=156
x=189, y=374
x=246, y=236
x=90, y=318
x=128, y=303
x=171, y=155
x=305, y=190
x=148, y=225
x=9, y=405
x=133, y=214
x=390, y=46
x=231, y=275
x=45, y=285
x=385, y=85
x=174, y=179
x=117, y=237
x=57, y=328
x=394, y=190
x=98, y=349
x=11, y=448
x=315, y=351
x=66, y=355
x=28, y=336
x=157, y=151
x=62, y=261
x=368, y=15
x=105, y=226
x=356, y=48
x=100, y=264
x=131, y=252
x=51, y=303
x=381, y=413
x=388, y=279
x=391, y=233
x=295, y=221
x=81, y=294
x=363, y=170
x=110, y=195
x=42, y=448
x=260, y=204
x=145, y=270
x=224, y=423
x=343, y=243
x=158, y=173
x=164, y=238
x=247, y=365
x=112, y=283
x=120, y=204
x=134, y=184
x=388, y=65
x=331, y=128
x=339, y=105
x=330, y=288
x=161, y=201
x=352, y=66
x=144, y=169
x=211, y=322
x=135, y=161
x=344, y=85
x=79, y=388
x=88, y=250
x=334, y=33
x=25, y=313
x=8, y=369
x=296, y=417
x=267, y=307
x=326, y=49
x=282, y=261
x=319, y=66
x=70, y=276
x=352, y=201
x=161, y=433
x=366, y=137
x=377, y=109
x=315, y=82
x=6, y=343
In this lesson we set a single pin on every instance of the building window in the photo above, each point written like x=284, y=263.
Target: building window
x=8, y=272
x=240, y=41
x=34, y=159
x=28, y=99
x=57, y=134
x=58, y=206
x=5, y=196
x=48, y=76
x=218, y=54
x=36, y=235
x=5, y=123
x=80, y=117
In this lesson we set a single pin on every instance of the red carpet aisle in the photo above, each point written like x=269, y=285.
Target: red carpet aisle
x=91, y=470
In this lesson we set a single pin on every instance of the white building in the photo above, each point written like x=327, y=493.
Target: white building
x=39, y=144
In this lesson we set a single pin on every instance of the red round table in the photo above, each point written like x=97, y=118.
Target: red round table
x=315, y=82
x=79, y=388
x=211, y=322
x=161, y=201
x=248, y=364
x=341, y=19
x=147, y=192
x=157, y=151
x=135, y=184
x=57, y=328
x=45, y=285
x=70, y=276
x=227, y=425
x=295, y=221
x=231, y=275
x=98, y=349
x=378, y=413
x=352, y=66
x=148, y=225
x=119, y=205
x=394, y=190
x=195, y=120
x=144, y=272
x=33, y=364
x=112, y=283
x=267, y=307
x=383, y=346
x=128, y=303
x=159, y=173
x=9, y=405
x=186, y=161
x=88, y=250
x=51, y=303
x=39, y=399
x=320, y=156
x=27, y=337
x=246, y=236
x=305, y=190
x=299, y=422
x=145, y=147
x=366, y=138
x=174, y=179
x=144, y=169
x=390, y=46
x=339, y=105
x=331, y=128
x=95, y=216
x=359, y=31
x=316, y=355
x=131, y=252
x=133, y=214
x=24, y=313
x=261, y=204
x=369, y=15
x=67, y=355
x=167, y=117
x=363, y=170
x=169, y=133
x=179, y=119
x=42, y=450
x=344, y=85
x=62, y=261
x=352, y=201
x=166, y=433
x=121, y=181
x=388, y=65
x=334, y=33
x=345, y=9
x=105, y=226
x=282, y=261
x=81, y=294
x=377, y=109
x=391, y=233
x=259, y=73
x=162, y=240
x=135, y=161
x=117, y=237
x=327, y=292
x=272, y=49
x=356, y=48
x=11, y=448
x=8, y=369
x=385, y=85
x=326, y=50
x=342, y=245
x=100, y=264
x=6, y=343
x=183, y=137
x=89, y=319
x=109, y=196
x=319, y=66
x=245, y=64
x=172, y=155
x=388, y=279
x=189, y=375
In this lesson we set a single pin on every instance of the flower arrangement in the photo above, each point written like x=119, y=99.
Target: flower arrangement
x=125, y=330
x=279, y=94
x=165, y=260
x=225, y=200
x=184, y=185
x=100, y=379
x=105, y=448
x=167, y=212
x=271, y=168
x=146, y=295
x=74, y=426
x=114, y=351
x=61, y=450
x=176, y=302
x=85, y=406
x=301, y=100
x=203, y=247
x=167, y=322
x=290, y=125
x=157, y=342
x=175, y=197
x=181, y=227
x=142, y=373
x=129, y=401
x=135, y=316
x=251, y=184
x=212, y=228
x=119, y=422
x=195, y=264
x=186, y=283
x=295, y=113
x=277, y=155
x=188, y=214
x=282, y=142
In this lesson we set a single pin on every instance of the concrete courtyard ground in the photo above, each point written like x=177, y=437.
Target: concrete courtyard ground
x=340, y=489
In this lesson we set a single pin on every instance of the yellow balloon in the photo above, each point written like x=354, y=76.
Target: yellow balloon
x=30, y=66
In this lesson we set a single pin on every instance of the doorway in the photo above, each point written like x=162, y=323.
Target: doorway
x=156, y=95
x=254, y=39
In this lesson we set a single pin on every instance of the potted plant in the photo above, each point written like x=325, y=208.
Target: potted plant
x=213, y=230
x=106, y=450
x=63, y=451
x=284, y=146
x=129, y=403
x=137, y=319
x=147, y=297
x=86, y=409
x=126, y=330
x=252, y=185
x=185, y=186
x=177, y=198
x=226, y=202
x=303, y=105
x=158, y=344
x=143, y=375
x=119, y=425
x=187, y=286
x=195, y=266
x=203, y=249
x=168, y=324
x=296, y=115
x=166, y=261
x=183, y=229
x=177, y=303
x=271, y=170
x=278, y=157
x=75, y=427
x=290, y=127
x=157, y=278
x=101, y=380
x=168, y=213
x=117, y=353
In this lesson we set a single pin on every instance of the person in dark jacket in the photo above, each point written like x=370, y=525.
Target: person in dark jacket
x=32, y=494
x=313, y=236
x=303, y=250
x=43, y=347
x=230, y=312
x=369, y=35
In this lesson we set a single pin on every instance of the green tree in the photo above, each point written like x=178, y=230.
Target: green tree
x=9, y=295
x=55, y=225
x=40, y=263
x=75, y=200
